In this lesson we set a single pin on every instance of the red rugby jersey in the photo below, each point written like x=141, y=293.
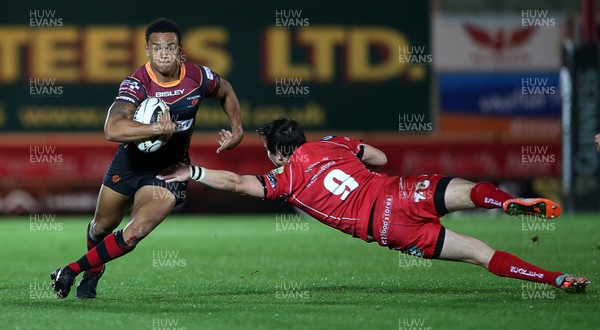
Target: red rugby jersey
x=327, y=180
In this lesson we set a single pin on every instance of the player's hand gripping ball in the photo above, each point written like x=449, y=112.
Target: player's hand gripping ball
x=150, y=111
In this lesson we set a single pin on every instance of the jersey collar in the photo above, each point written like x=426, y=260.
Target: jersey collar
x=170, y=83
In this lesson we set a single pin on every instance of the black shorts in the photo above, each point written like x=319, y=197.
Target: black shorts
x=125, y=179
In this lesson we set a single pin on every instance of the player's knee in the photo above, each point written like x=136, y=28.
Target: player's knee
x=483, y=256
x=101, y=227
x=135, y=232
x=132, y=236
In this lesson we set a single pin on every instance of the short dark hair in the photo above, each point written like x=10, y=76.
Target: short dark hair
x=162, y=25
x=283, y=135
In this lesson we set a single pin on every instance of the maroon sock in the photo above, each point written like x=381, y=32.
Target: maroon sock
x=112, y=247
x=507, y=265
x=91, y=243
x=486, y=195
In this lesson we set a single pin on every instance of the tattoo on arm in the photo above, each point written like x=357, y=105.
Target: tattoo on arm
x=122, y=109
x=221, y=91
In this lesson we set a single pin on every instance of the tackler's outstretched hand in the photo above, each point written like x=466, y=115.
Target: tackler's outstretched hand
x=228, y=140
x=179, y=172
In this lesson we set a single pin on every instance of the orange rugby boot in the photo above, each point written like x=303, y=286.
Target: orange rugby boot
x=540, y=207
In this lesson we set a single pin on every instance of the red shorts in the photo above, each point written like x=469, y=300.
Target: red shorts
x=406, y=216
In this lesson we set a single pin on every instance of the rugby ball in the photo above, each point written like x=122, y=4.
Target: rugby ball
x=149, y=112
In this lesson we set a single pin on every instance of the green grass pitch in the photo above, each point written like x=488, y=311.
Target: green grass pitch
x=281, y=271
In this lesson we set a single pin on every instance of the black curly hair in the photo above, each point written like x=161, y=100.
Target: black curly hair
x=163, y=25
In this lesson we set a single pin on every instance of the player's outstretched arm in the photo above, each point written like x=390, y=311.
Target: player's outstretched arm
x=598, y=142
x=217, y=179
x=120, y=126
x=231, y=106
x=373, y=158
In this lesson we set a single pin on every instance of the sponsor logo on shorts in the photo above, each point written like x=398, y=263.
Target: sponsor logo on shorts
x=415, y=251
x=421, y=185
x=385, y=221
x=116, y=178
x=183, y=125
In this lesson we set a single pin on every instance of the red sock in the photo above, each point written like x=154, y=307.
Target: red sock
x=91, y=243
x=112, y=247
x=486, y=195
x=507, y=265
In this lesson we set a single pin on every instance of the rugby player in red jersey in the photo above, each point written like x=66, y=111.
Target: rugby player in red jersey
x=330, y=180
x=130, y=181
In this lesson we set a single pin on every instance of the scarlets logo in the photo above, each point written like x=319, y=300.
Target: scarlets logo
x=499, y=39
